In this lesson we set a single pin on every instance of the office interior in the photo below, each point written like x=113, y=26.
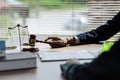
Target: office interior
x=43, y=18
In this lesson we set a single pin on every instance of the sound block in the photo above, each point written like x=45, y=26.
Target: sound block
x=30, y=49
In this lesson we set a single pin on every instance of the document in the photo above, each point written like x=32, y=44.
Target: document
x=65, y=55
x=20, y=60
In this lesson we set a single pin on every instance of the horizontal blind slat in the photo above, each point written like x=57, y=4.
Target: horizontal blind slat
x=101, y=11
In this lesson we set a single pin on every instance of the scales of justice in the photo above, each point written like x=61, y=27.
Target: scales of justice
x=31, y=40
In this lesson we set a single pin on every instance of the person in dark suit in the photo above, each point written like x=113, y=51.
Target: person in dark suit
x=103, y=32
x=104, y=67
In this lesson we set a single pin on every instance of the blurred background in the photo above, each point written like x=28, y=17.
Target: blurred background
x=54, y=17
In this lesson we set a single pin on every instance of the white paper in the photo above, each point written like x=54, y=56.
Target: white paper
x=64, y=55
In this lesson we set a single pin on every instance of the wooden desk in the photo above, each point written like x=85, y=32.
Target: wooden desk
x=45, y=70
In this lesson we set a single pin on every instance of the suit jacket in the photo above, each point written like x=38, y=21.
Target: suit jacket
x=105, y=67
x=104, y=32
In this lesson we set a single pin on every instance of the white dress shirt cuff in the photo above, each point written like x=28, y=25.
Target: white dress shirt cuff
x=77, y=40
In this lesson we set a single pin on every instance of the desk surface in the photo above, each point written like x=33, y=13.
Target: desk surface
x=45, y=70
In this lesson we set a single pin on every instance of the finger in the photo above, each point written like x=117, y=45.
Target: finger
x=53, y=38
x=53, y=44
x=47, y=39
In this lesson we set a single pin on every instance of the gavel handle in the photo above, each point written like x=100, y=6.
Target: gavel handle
x=41, y=41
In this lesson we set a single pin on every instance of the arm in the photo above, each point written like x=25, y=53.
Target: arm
x=104, y=67
x=103, y=32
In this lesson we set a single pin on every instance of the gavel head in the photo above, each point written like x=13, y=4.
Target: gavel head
x=32, y=40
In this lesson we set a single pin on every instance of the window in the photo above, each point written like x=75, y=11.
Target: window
x=54, y=17
x=101, y=10
x=57, y=17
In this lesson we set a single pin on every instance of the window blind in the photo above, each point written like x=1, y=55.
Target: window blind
x=12, y=12
x=42, y=16
x=59, y=17
x=54, y=17
x=100, y=11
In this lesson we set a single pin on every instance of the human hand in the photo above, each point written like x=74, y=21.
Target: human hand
x=67, y=67
x=73, y=60
x=55, y=42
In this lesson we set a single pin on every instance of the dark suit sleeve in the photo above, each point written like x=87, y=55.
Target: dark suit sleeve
x=105, y=67
x=104, y=32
